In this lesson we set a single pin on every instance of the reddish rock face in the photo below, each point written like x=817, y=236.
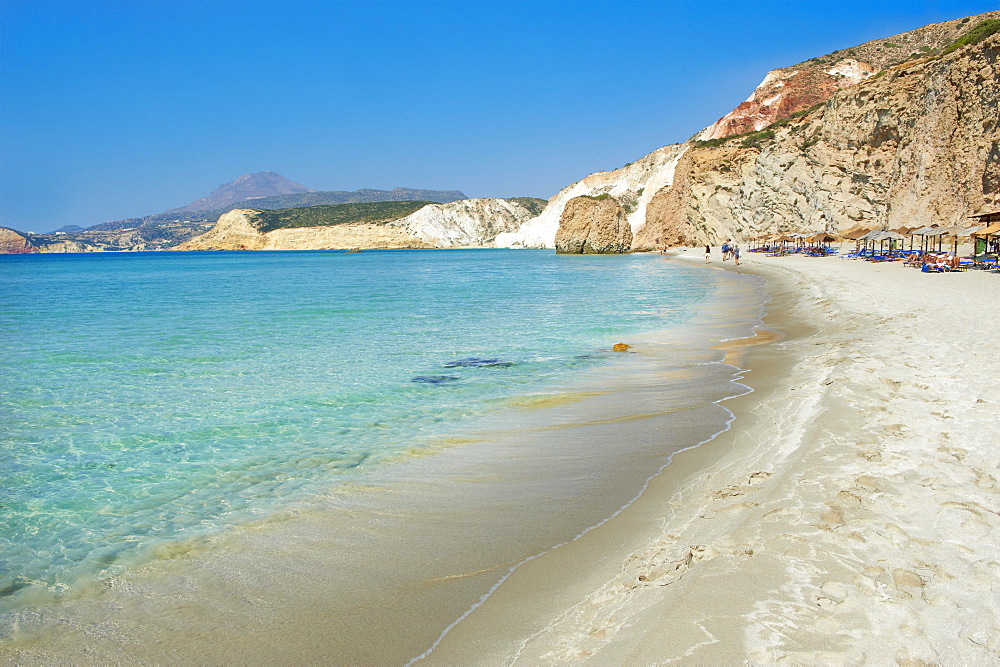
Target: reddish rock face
x=785, y=92
x=12, y=243
x=792, y=89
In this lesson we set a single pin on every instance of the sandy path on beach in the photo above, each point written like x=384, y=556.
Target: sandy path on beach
x=849, y=516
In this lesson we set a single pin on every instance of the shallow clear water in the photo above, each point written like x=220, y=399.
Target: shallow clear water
x=153, y=397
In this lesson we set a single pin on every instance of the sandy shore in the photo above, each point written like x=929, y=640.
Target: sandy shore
x=848, y=516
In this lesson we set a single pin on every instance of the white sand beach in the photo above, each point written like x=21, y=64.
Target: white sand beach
x=849, y=516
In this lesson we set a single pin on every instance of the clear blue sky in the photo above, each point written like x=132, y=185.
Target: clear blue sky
x=115, y=109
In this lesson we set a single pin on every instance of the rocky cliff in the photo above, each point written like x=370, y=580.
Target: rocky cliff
x=793, y=89
x=633, y=186
x=915, y=146
x=593, y=226
x=14, y=243
x=239, y=230
x=471, y=222
x=913, y=143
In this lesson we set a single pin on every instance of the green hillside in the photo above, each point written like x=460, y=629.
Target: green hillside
x=375, y=213
x=533, y=204
x=337, y=214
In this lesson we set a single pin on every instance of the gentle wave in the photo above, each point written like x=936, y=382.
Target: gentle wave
x=159, y=397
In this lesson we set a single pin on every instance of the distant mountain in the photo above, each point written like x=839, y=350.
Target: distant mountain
x=270, y=191
x=313, y=198
x=67, y=229
x=246, y=187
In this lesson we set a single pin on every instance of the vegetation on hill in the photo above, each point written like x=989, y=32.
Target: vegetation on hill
x=978, y=33
x=533, y=204
x=758, y=137
x=374, y=213
x=295, y=200
x=304, y=199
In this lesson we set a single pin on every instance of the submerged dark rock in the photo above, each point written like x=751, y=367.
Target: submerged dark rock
x=476, y=362
x=434, y=379
x=13, y=587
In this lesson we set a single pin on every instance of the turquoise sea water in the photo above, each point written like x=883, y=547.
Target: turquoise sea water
x=153, y=397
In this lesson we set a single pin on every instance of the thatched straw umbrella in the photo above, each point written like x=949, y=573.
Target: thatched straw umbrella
x=927, y=234
x=856, y=233
x=956, y=232
x=822, y=239
x=783, y=239
x=992, y=230
x=870, y=237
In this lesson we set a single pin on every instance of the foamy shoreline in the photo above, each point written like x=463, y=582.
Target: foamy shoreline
x=846, y=517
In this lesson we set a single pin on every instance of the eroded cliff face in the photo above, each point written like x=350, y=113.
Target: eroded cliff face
x=633, y=186
x=593, y=226
x=13, y=243
x=915, y=146
x=791, y=90
x=465, y=223
x=233, y=231
x=237, y=230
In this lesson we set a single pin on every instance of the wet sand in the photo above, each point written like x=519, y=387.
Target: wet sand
x=848, y=516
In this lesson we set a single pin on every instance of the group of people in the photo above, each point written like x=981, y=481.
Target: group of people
x=939, y=262
x=730, y=250
x=934, y=261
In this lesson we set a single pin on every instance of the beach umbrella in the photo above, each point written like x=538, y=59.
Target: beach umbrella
x=956, y=232
x=820, y=239
x=856, y=233
x=986, y=221
x=863, y=239
x=939, y=234
x=892, y=237
x=990, y=231
x=926, y=235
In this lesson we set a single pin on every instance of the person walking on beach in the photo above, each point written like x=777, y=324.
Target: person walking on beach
x=708, y=254
x=725, y=251
x=736, y=254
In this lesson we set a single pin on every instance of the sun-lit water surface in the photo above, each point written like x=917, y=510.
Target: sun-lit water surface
x=152, y=397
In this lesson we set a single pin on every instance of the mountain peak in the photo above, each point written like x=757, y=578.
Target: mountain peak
x=247, y=186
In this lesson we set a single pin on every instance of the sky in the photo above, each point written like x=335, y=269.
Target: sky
x=118, y=109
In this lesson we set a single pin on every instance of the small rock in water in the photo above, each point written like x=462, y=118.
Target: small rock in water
x=621, y=347
x=476, y=362
x=13, y=587
x=434, y=379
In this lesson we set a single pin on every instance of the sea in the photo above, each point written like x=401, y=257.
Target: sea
x=322, y=455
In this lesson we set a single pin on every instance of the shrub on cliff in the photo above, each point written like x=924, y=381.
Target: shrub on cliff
x=337, y=214
x=978, y=33
x=533, y=204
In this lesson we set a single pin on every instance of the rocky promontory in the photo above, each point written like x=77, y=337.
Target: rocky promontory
x=593, y=226
x=14, y=243
x=240, y=229
x=466, y=223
